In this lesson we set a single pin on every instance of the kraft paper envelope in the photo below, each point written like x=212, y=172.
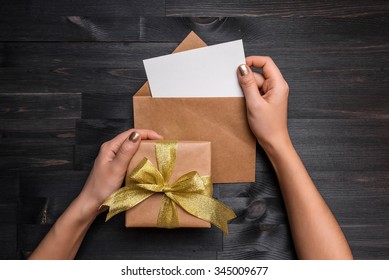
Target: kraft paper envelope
x=222, y=121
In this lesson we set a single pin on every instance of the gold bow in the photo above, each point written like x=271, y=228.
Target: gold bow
x=191, y=191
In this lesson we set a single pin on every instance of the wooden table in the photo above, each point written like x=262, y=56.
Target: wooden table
x=67, y=74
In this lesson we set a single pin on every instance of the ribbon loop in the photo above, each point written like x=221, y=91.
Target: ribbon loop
x=191, y=191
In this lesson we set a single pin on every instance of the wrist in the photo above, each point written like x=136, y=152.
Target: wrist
x=277, y=147
x=87, y=209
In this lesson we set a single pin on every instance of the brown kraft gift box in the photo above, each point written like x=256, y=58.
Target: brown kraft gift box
x=222, y=121
x=191, y=156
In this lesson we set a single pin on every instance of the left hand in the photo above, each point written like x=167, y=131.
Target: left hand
x=110, y=166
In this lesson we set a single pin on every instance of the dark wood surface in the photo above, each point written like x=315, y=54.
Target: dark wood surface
x=68, y=71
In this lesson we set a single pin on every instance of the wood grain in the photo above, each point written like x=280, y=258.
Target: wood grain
x=37, y=131
x=67, y=75
x=60, y=183
x=40, y=105
x=288, y=31
x=68, y=28
x=9, y=186
x=344, y=9
x=35, y=157
x=115, y=8
x=256, y=255
x=8, y=241
x=107, y=106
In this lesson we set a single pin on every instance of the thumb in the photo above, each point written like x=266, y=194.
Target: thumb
x=126, y=151
x=249, y=85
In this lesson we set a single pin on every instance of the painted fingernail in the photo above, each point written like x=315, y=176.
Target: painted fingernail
x=243, y=69
x=134, y=137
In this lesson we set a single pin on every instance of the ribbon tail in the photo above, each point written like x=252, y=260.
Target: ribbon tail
x=206, y=208
x=124, y=199
x=168, y=217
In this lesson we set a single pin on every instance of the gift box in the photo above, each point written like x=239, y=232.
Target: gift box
x=168, y=184
x=222, y=121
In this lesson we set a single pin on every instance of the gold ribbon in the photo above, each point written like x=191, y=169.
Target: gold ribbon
x=191, y=191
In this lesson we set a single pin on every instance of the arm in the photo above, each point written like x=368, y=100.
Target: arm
x=65, y=237
x=316, y=233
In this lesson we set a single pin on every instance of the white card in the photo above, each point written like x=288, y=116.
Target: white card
x=204, y=72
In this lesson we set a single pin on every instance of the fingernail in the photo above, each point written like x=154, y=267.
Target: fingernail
x=243, y=69
x=134, y=137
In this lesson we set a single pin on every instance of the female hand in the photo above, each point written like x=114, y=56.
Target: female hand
x=266, y=112
x=110, y=166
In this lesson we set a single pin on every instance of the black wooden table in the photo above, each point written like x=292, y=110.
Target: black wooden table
x=68, y=70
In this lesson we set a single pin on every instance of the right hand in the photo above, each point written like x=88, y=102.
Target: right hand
x=266, y=113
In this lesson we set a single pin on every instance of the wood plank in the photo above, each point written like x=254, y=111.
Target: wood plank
x=8, y=212
x=56, y=183
x=331, y=145
x=356, y=210
x=269, y=30
x=60, y=55
x=107, y=106
x=347, y=157
x=247, y=237
x=338, y=132
x=44, y=197
x=148, y=255
x=355, y=198
x=290, y=8
x=148, y=239
x=71, y=79
x=342, y=191
x=115, y=8
x=118, y=242
x=256, y=255
x=312, y=55
x=368, y=241
x=9, y=186
x=346, y=143
x=98, y=131
x=29, y=237
x=37, y=131
x=265, y=185
x=40, y=105
x=35, y=157
x=42, y=210
x=68, y=28
x=292, y=31
x=370, y=252
x=8, y=241
x=21, y=7
x=84, y=156
x=311, y=92
x=323, y=103
x=257, y=211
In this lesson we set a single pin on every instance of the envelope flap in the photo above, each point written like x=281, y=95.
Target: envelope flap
x=192, y=41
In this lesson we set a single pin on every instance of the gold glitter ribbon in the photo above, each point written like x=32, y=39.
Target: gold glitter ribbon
x=191, y=191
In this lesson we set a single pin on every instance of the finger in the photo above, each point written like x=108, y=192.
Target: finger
x=259, y=78
x=270, y=69
x=249, y=85
x=149, y=134
x=126, y=151
x=116, y=142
